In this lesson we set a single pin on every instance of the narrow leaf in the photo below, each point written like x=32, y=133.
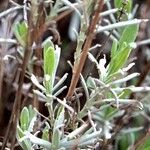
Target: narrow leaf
x=55, y=139
x=114, y=48
x=118, y=61
x=129, y=35
x=49, y=60
x=24, y=119
x=21, y=30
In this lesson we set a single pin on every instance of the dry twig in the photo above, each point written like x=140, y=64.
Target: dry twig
x=86, y=47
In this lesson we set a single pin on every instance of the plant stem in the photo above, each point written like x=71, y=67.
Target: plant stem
x=86, y=47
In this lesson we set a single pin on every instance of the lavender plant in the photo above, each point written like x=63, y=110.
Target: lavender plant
x=108, y=96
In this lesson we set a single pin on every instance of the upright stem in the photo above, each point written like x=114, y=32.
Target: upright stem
x=87, y=45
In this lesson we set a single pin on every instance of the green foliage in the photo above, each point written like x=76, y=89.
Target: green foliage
x=128, y=4
x=145, y=145
x=68, y=125
x=121, y=50
x=51, y=59
x=125, y=141
x=21, y=31
x=45, y=135
x=56, y=130
x=27, y=119
x=24, y=119
x=128, y=36
x=55, y=10
x=49, y=64
x=118, y=61
x=114, y=48
x=25, y=144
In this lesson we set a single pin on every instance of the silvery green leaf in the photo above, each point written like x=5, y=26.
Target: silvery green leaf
x=32, y=112
x=26, y=144
x=32, y=123
x=74, y=26
x=57, y=57
x=55, y=9
x=60, y=91
x=24, y=119
x=49, y=60
x=114, y=48
x=84, y=87
x=87, y=137
x=21, y=31
x=129, y=130
x=55, y=139
x=40, y=94
x=56, y=131
x=49, y=65
x=92, y=58
x=48, y=83
x=60, y=117
x=68, y=3
x=89, y=142
x=60, y=82
x=128, y=67
x=125, y=79
x=38, y=141
x=76, y=132
x=133, y=89
x=81, y=140
x=118, y=61
x=120, y=25
x=91, y=83
x=129, y=35
x=47, y=43
x=45, y=135
x=36, y=83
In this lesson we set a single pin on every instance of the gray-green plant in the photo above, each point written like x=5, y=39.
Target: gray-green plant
x=67, y=128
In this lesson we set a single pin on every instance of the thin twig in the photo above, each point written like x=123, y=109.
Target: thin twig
x=86, y=48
